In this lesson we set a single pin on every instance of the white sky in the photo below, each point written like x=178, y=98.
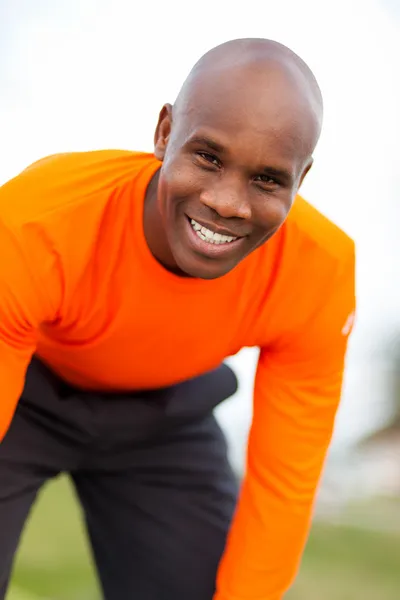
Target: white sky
x=83, y=74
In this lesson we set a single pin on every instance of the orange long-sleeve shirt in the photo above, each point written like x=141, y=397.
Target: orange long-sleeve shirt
x=79, y=286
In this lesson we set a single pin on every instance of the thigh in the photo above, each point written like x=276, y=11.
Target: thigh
x=30, y=453
x=158, y=525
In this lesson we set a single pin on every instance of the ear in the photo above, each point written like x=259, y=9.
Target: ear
x=163, y=131
x=305, y=171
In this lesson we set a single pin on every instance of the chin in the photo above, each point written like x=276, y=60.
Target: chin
x=199, y=269
x=207, y=276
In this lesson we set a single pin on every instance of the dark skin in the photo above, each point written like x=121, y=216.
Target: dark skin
x=235, y=148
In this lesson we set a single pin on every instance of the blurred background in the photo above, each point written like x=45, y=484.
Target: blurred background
x=89, y=74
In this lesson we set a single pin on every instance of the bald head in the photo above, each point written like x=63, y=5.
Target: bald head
x=253, y=72
x=248, y=52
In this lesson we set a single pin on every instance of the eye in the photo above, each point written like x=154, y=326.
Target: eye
x=266, y=179
x=209, y=158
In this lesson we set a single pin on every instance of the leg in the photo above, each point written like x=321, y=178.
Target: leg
x=158, y=517
x=30, y=454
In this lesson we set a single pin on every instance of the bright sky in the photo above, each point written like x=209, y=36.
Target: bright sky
x=82, y=74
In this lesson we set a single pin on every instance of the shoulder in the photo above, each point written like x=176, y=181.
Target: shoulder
x=318, y=257
x=92, y=160
x=306, y=252
x=62, y=208
x=312, y=234
x=63, y=180
x=313, y=273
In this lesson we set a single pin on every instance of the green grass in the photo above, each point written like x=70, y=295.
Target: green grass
x=54, y=559
x=343, y=563
x=340, y=563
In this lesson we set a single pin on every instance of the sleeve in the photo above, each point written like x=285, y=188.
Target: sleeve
x=24, y=304
x=297, y=392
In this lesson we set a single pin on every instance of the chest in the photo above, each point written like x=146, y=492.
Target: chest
x=137, y=332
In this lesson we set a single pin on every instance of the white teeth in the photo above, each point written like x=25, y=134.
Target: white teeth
x=195, y=225
x=209, y=236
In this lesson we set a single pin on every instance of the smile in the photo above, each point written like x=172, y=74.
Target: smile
x=211, y=237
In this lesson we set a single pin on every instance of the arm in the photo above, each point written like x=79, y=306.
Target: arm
x=24, y=304
x=297, y=392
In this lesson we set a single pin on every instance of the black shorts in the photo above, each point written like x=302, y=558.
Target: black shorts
x=150, y=470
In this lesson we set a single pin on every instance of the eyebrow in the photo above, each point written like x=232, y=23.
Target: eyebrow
x=206, y=141
x=283, y=175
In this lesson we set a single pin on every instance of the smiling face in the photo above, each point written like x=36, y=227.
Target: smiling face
x=234, y=154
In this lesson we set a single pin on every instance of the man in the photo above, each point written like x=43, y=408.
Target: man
x=129, y=278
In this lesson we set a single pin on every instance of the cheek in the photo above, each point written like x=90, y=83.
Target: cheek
x=271, y=213
x=180, y=179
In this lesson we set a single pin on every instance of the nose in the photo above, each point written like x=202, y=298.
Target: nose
x=228, y=202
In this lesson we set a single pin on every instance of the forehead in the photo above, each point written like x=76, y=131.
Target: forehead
x=250, y=127
x=248, y=120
